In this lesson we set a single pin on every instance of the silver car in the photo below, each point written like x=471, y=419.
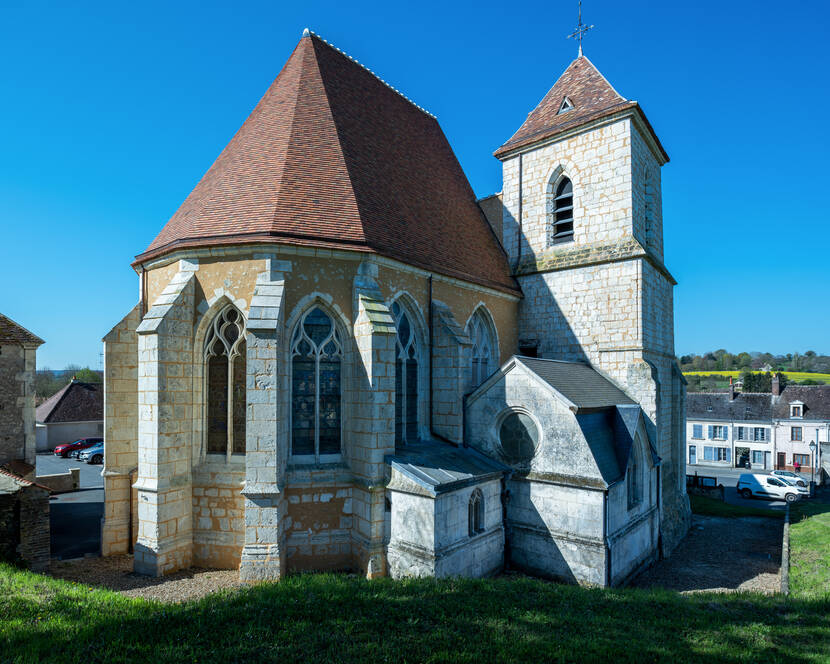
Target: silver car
x=790, y=477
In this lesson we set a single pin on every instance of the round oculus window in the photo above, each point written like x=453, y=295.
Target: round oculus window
x=518, y=437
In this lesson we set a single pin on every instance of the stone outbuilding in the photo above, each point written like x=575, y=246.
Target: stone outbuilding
x=24, y=505
x=73, y=412
x=311, y=377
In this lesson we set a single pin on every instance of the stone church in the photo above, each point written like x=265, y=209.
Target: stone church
x=340, y=359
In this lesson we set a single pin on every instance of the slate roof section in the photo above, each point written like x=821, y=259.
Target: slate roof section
x=77, y=402
x=746, y=407
x=440, y=467
x=592, y=96
x=11, y=332
x=816, y=400
x=334, y=157
x=578, y=382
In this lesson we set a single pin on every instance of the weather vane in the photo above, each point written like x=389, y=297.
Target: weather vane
x=580, y=31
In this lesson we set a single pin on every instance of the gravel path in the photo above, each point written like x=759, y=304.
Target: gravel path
x=722, y=555
x=116, y=573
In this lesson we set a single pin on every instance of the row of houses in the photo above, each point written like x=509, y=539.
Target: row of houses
x=765, y=431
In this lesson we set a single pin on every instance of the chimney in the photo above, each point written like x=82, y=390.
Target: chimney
x=776, y=386
x=731, y=389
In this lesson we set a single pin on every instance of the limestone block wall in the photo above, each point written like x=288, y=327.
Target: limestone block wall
x=633, y=534
x=218, y=514
x=120, y=432
x=556, y=531
x=647, y=195
x=599, y=165
x=450, y=373
x=17, y=396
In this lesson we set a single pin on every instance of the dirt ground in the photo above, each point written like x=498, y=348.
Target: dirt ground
x=116, y=573
x=722, y=555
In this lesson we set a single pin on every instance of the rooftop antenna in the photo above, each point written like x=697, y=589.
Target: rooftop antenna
x=580, y=31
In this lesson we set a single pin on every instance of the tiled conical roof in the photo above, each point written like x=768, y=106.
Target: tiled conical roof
x=589, y=95
x=332, y=156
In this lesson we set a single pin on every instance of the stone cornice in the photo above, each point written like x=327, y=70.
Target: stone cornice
x=598, y=253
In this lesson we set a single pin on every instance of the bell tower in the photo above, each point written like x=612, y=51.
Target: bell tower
x=582, y=226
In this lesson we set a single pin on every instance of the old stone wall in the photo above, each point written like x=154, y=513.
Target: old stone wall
x=218, y=514
x=17, y=403
x=120, y=432
x=24, y=525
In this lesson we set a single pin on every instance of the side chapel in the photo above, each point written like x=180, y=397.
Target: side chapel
x=340, y=359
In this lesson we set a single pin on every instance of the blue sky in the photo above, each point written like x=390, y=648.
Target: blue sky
x=113, y=111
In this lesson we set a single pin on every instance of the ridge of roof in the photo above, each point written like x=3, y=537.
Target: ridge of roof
x=310, y=33
x=76, y=402
x=44, y=410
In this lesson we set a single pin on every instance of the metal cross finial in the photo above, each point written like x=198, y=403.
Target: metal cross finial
x=580, y=31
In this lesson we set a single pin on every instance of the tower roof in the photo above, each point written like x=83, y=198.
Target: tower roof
x=334, y=157
x=580, y=95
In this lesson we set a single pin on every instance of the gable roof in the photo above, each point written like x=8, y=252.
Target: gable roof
x=11, y=332
x=746, y=407
x=578, y=382
x=592, y=97
x=77, y=402
x=334, y=157
x=816, y=400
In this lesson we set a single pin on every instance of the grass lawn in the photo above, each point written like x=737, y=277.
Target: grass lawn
x=810, y=550
x=715, y=507
x=329, y=618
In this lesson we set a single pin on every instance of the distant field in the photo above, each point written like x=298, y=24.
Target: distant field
x=792, y=375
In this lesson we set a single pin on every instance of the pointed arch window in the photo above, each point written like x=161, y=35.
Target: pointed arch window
x=481, y=352
x=475, y=513
x=406, y=378
x=561, y=227
x=316, y=354
x=634, y=482
x=224, y=358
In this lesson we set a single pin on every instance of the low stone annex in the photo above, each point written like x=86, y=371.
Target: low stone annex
x=342, y=360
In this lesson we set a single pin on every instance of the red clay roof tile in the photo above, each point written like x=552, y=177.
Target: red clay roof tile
x=332, y=156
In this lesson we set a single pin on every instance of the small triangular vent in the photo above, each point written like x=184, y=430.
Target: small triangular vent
x=566, y=105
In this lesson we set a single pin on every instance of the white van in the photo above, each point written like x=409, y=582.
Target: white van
x=767, y=486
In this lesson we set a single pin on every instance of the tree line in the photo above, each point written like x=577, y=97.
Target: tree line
x=723, y=360
x=48, y=381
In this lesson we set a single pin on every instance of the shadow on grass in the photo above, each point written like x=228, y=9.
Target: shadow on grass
x=332, y=618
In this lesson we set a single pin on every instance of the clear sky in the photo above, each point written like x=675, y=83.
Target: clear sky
x=113, y=111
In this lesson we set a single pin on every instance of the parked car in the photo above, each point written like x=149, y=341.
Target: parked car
x=767, y=486
x=81, y=444
x=790, y=476
x=800, y=487
x=94, y=454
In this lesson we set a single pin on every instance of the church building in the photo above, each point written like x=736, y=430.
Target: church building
x=341, y=360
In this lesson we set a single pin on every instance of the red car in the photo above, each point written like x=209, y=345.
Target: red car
x=82, y=444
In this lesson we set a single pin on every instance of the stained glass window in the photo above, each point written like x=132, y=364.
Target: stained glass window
x=225, y=375
x=406, y=378
x=316, y=353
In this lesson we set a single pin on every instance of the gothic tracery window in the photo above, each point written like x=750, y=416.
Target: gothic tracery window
x=481, y=350
x=561, y=223
x=406, y=378
x=225, y=380
x=316, y=353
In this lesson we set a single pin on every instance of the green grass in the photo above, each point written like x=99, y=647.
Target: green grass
x=328, y=618
x=810, y=550
x=792, y=375
x=715, y=507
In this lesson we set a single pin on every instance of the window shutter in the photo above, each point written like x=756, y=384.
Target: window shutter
x=711, y=432
x=707, y=453
x=729, y=454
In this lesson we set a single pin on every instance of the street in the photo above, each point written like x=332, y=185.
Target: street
x=74, y=517
x=728, y=477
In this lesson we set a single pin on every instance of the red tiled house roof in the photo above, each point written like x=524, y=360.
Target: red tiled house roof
x=592, y=97
x=77, y=402
x=11, y=332
x=332, y=156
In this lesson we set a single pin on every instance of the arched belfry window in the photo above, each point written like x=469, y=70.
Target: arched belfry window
x=406, y=378
x=225, y=372
x=482, y=350
x=561, y=226
x=316, y=353
x=475, y=513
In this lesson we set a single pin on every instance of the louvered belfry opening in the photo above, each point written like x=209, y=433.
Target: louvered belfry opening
x=562, y=228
